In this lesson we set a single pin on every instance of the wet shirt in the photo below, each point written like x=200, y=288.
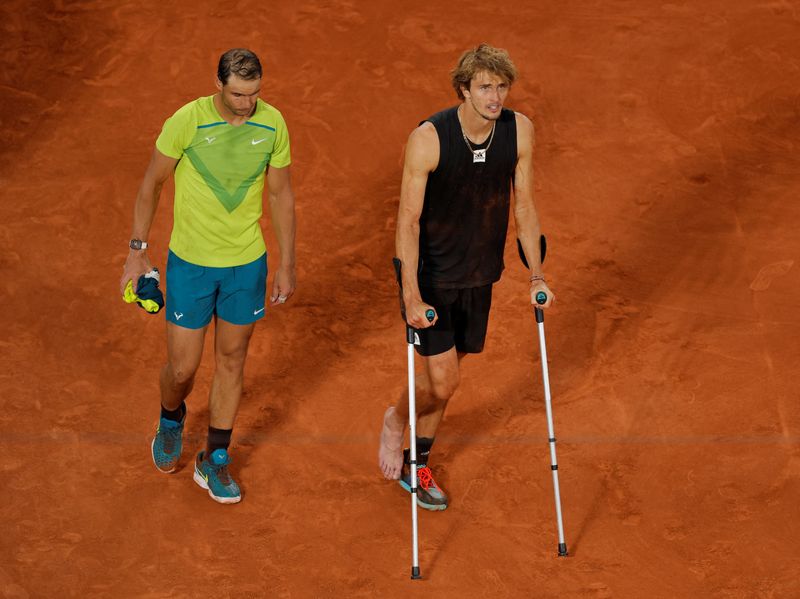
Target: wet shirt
x=219, y=180
x=464, y=217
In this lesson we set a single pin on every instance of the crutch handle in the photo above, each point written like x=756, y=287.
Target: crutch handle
x=541, y=298
x=430, y=314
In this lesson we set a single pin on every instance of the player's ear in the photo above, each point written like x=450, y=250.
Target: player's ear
x=218, y=83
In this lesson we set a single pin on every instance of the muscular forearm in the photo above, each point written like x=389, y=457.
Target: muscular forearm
x=528, y=232
x=158, y=171
x=144, y=211
x=145, y=208
x=283, y=223
x=407, y=248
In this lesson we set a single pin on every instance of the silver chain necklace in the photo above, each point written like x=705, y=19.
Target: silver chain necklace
x=477, y=155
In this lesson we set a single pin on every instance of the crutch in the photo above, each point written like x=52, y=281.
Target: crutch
x=412, y=339
x=541, y=298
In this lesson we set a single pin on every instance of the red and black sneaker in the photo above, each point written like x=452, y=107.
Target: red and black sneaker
x=429, y=495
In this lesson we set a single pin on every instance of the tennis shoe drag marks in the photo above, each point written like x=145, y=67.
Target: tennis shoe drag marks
x=167, y=444
x=212, y=474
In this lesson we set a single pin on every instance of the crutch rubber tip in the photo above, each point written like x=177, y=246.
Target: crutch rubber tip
x=415, y=573
x=562, y=550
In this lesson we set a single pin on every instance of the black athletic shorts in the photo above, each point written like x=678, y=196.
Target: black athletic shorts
x=463, y=318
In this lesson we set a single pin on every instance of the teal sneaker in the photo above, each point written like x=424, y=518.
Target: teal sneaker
x=167, y=444
x=212, y=474
x=429, y=495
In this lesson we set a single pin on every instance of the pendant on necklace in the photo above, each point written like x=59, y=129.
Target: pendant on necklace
x=479, y=155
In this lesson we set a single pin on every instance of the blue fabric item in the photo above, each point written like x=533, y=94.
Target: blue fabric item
x=237, y=294
x=147, y=289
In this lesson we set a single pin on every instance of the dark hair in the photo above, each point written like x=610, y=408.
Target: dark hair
x=240, y=62
x=482, y=58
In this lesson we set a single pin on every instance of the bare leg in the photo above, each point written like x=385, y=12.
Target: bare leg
x=390, y=452
x=230, y=349
x=435, y=385
x=184, y=350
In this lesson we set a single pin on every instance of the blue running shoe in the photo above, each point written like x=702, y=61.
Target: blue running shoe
x=429, y=495
x=212, y=474
x=167, y=444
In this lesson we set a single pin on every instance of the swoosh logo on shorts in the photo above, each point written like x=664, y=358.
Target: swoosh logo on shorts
x=257, y=311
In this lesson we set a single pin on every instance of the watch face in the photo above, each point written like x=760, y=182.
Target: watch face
x=136, y=244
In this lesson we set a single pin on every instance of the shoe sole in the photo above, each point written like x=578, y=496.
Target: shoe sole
x=153, y=455
x=428, y=506
x=204, y=485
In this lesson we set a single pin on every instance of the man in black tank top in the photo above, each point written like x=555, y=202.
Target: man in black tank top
x=459, y=170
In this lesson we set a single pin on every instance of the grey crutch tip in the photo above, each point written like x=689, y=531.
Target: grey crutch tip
x=415, y=573
x=562, y=550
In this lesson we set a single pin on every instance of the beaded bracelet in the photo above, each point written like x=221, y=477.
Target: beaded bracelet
x=537, y=278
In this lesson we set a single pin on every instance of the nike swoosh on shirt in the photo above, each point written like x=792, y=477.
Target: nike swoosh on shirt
x=255, y=142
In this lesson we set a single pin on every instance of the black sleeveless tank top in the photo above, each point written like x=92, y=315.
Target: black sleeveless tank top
x=465, y=214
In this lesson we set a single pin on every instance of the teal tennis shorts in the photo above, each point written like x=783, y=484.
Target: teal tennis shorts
x=236, y=294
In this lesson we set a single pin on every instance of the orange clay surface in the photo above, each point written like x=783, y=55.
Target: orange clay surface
x=668, y=172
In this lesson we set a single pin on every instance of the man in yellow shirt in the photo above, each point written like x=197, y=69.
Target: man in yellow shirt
x=221, y=149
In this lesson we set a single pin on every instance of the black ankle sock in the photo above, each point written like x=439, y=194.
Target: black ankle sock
x=174, y=415
x=424, y=445
x=218, y=438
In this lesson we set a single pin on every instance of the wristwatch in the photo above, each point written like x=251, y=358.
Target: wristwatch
x=138, y=244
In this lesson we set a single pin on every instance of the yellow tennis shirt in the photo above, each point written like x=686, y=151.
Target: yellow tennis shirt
x=219, y=180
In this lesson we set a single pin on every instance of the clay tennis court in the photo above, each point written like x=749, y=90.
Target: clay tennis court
x=668, y=176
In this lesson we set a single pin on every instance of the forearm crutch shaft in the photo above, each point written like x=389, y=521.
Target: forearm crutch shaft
x=412, y=428
x=562, y=545
x=412, y=339
x=541, y=298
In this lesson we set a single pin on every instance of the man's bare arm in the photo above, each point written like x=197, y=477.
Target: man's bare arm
x=422, y=157
x=528, y=229
x=157, y=173
x=281, y=203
